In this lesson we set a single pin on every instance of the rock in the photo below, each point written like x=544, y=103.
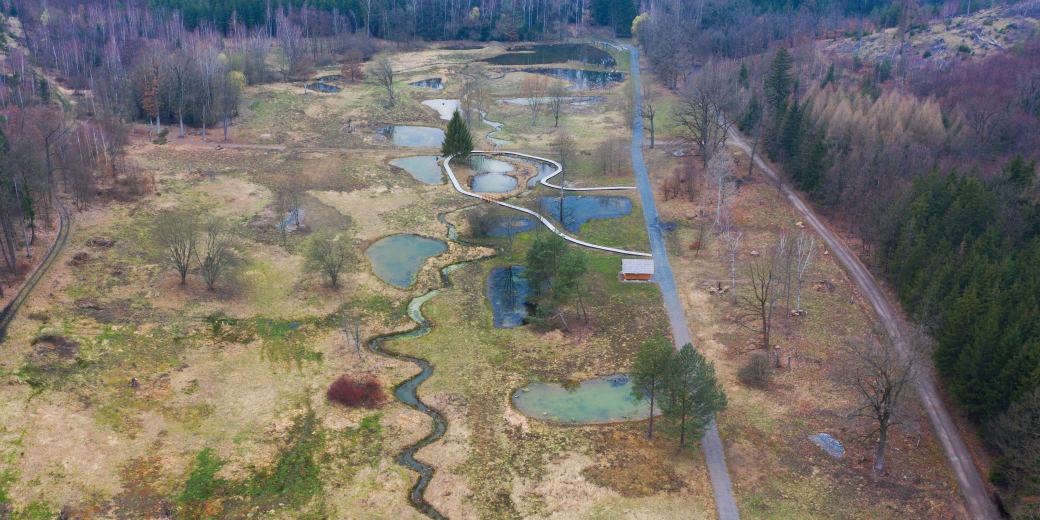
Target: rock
x=101, y=242
x=754, y=252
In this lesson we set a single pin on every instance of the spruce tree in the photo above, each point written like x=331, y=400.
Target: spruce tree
x=779, y=83
x=457, y=139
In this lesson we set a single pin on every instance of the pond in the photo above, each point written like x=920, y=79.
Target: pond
x=579, y=209
x=493, y=182
x=414, y=136
x=507, y=290
x=582, y=79
x=570, y=100
x=554, y=53
x=397, y=259
x=490, y=175
x=318, y=86
x=508, y=225
x=331, y=77
x=432, y=83
x=423, y=168
x=444, y=107
x=595, y=401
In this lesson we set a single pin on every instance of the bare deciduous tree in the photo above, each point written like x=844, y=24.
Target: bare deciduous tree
x=328, y=253
x=764, y=286
x=216, y=253
x=731, y=239
x=557, y=98
x=383, y=72
x=175, y=231
x=719, y=175
x=700, y=115
x=533, y=88
x=804, y=247
x=650, y=110
x=879, y=375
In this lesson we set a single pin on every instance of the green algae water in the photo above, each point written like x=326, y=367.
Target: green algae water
x=594, y=401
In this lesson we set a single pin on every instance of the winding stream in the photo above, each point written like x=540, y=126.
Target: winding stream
x=406, y=391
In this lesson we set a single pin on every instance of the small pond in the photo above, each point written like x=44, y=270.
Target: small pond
x=444, y=107
x=490, y=175
x=493, y=182
x=508, y=225
x=433, y=83
x=423, y=168
x=331, y=78
x=595, y=401
x=507, y=290
x=414, y=136
x=318, y=86
x=554, y=53
x=583, y=79
x=579, y=209
x=397, y=259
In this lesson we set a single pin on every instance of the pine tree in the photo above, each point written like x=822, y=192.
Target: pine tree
x=693, y=392
x=650, y=370
x=457, y=139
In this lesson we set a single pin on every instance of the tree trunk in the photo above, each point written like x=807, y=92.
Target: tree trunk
x=682, y=431
x=650, y=431
x=879, y=452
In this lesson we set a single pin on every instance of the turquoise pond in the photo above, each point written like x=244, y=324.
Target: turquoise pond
x=594, y=401
x=397, y=259
x=414, y=136
x=423, y=168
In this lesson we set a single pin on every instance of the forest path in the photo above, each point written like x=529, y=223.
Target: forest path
x=972, y=487
x=711, y=443
x=8, y=313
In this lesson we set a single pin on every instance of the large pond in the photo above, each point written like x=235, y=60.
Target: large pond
x=554, y=53
x=423, y=168
x=397, y=259
x=414, y=136
x=445, y=107
x=595, y=401
x=583, y=79
x=507, y=290
x=579, y=209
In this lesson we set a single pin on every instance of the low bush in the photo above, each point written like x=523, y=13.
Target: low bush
x=355, y=393
x=756, y=371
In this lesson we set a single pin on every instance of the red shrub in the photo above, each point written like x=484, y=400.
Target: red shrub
x=355, y=393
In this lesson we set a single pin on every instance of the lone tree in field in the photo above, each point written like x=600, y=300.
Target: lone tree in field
x=216, y=255
x=650, y=372
x=383, y=71
x=175, y=231
x=693, y=395
x=457, y=139
x=878, y=374
x=328, y=253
